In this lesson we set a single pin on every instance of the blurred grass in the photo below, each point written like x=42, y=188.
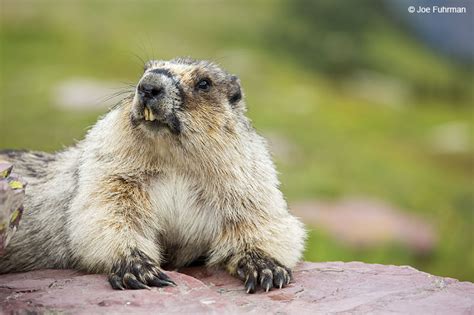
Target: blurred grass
x=347, y=144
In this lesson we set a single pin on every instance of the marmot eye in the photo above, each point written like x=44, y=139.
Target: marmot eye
x=204, y=85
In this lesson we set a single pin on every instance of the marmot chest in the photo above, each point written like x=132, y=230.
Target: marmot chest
x=186, y=224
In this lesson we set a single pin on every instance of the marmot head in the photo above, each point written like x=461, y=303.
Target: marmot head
x=187, y=98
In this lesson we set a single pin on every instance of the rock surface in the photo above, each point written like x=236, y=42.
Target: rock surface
x=333, y=287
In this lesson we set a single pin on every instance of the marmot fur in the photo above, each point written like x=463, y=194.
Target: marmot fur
x=173, y=174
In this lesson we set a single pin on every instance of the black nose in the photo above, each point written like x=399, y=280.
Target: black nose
x=150, y=91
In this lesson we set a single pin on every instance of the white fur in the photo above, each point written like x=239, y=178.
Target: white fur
x=185, y=225
x=211, y=191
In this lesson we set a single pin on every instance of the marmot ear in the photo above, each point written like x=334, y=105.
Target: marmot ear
x=235, y=92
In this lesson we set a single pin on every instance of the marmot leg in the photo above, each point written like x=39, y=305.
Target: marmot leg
x=260, y=253
x=116, y=233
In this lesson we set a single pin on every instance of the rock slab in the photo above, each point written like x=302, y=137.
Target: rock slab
x=318, y=288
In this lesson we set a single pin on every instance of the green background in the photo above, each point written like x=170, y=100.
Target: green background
x=301, y=64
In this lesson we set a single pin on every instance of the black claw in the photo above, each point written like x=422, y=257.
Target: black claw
x=290, y=275
x=156, y=282
x=279, y=279
x=138, y=271
x=164, y=276
x=132, y=283
x=266, y=282
x=251, y=280
x=287, y=279
x=116, y=282
x=257, y=268
x=165, y=279
x=171, y=283
x=250, y=286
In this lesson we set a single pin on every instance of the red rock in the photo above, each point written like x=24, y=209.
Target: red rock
x=318, y=288
x=368, y=223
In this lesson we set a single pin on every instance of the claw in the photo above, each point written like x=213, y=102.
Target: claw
x=165, y=277
x=261, y=271
x=138, y=271
x=250, y=288
x=131, y=282
x=250, y=284
x=156, y=282
x=116, y=282
x=171, y=283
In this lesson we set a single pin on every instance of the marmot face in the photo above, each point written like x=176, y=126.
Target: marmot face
x=186, y=98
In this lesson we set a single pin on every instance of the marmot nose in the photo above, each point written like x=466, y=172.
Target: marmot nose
x=150, y=91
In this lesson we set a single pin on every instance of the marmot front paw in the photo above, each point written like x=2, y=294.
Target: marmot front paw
x=258, y=269
x=138, y=272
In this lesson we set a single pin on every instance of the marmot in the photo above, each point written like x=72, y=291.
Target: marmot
x=173, y=174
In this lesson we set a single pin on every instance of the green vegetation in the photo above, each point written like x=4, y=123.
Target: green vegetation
x=363, y=124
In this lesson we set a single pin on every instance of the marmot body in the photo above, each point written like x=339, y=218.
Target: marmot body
x=173, y=174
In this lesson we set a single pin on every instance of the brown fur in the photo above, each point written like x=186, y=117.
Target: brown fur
x=140, y=193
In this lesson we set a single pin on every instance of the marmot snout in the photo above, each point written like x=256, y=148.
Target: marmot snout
x=157, y=98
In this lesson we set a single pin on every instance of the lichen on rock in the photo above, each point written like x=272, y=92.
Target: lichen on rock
x=12, y=194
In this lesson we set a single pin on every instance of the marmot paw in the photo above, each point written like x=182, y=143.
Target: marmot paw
x=257, y=269
x=138, y=272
